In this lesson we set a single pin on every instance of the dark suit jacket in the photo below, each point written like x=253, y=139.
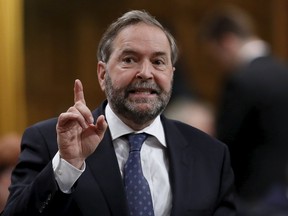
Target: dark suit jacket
x=200, y=174
x=253, y=123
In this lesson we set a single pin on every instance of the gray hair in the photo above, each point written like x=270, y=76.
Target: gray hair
x=131, y=18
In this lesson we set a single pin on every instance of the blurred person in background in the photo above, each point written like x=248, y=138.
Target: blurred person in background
x=192, y=111
x=252, y=114
x=9, y=152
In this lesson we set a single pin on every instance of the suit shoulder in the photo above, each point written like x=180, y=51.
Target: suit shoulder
x=46, y=123
x=191, y=133
x=45, y=127
x=188, y=129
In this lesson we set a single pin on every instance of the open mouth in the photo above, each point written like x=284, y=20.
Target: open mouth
x=143, y=91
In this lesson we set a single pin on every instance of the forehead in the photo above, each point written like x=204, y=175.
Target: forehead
x=143, y=37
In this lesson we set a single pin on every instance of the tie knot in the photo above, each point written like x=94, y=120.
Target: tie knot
x=136, y=141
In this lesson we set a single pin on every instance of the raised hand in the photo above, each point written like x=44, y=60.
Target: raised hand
x=77, y=136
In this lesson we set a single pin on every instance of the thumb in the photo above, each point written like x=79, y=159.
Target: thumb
x=101, y=126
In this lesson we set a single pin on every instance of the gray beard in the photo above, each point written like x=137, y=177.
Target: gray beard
x=121, y=105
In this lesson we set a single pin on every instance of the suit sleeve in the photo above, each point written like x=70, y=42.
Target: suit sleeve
x=33, y=189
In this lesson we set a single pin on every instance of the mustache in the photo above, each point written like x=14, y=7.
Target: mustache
x=151, y=86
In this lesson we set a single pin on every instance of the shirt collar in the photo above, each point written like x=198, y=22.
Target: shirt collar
x=118, y=128
x=253, y=49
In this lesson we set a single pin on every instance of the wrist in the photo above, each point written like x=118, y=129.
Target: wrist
x=76, y=162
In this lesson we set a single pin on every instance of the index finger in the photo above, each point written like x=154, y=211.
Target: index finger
x=78, y=92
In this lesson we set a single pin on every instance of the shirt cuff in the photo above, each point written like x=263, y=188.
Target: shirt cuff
x=65, y=173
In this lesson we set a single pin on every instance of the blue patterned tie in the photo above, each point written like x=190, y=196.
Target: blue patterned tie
x=136, y=186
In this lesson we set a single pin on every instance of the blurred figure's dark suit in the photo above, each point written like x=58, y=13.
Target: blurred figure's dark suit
x=253, y=122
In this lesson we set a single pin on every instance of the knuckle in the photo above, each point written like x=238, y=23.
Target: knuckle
x=78, y=104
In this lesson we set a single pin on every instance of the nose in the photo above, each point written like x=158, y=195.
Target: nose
x=145, y=70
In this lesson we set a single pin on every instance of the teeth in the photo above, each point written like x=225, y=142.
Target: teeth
x=143, y=92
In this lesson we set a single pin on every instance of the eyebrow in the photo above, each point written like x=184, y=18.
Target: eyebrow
x=160, y=54
x=128, y=51
x=133, y=52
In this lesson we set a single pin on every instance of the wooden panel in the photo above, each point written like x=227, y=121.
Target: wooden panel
x=280, y=27
x=12, y=96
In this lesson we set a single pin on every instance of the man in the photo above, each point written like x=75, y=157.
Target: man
x=74, y=165
x=252, y=118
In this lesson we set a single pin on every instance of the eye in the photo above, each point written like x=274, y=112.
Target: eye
x=159, y=62
x=128, y=60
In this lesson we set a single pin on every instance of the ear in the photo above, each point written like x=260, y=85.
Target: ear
x=101, y=71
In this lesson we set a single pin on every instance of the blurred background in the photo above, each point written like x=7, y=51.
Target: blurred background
x=45, y=45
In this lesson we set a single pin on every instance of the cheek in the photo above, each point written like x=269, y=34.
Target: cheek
x=120, y=77
x=122, y=80
x=164, y=80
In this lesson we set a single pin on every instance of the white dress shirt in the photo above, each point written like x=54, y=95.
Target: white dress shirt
x=253, y=49
x=153, y=159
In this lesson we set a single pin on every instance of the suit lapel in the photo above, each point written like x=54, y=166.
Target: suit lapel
x=180, y=162
x=105, y=169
